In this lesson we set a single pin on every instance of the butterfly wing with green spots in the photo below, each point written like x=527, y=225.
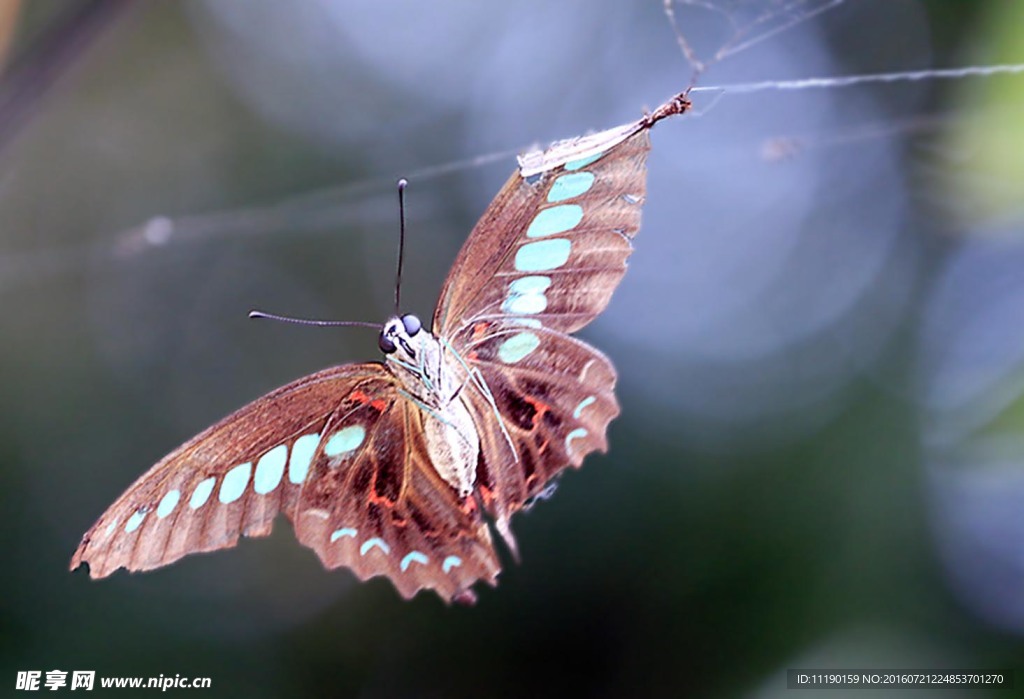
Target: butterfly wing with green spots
x=381, y=507
x=551, y=247
x=542, y=263
x=340, y=453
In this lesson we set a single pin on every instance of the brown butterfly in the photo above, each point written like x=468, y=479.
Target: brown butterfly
x=389, y=467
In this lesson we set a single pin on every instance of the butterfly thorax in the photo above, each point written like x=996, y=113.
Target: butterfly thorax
x=434, y=378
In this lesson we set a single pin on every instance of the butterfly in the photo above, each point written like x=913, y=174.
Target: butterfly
x=394, y=467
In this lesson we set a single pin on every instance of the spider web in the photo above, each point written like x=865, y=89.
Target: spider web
x=746, y=23
x=741, y=26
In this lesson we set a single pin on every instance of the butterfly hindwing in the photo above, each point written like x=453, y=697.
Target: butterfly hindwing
x=549, y=405
x=379, y=507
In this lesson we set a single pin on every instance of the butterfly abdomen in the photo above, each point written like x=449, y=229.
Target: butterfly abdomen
x=453, y=445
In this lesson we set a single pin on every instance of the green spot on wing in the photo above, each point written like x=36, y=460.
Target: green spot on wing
x=534, y=284
x=570, y=186
x=583, y=162
x=583, y=404
x=269, y=469
x=168, y=503
x=413, y=557
x=526, y=295
x=202, y=493
x=556, y=219
x=578, y=433
x=234, y=483
x=338, y=533
x=543, y=255
x=370, y=543
x=518, y=346
x=345, y=440
x=525, y=305
x=134, y=521
x=302, y=455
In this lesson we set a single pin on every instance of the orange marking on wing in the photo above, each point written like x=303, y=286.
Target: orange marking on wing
x=380, y=499
x=479, y=330
x=360, y=396
x=540, y=406
x=487, y=494
x=543, y=446
x=472, y=355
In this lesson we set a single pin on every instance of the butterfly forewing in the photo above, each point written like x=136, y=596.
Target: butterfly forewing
x=550, y=248
x=230, y=480
x=339, y=453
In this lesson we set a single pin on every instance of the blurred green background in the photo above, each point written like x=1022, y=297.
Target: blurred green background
x=820, y=341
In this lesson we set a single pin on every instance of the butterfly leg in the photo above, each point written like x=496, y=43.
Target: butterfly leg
x=481, y=385
x=459, y=389
x=489, y=397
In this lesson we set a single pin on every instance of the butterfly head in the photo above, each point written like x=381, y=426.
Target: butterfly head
x=400, y=334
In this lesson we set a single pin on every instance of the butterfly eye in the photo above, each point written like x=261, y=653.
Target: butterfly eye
x=385, y=344
x=412, y=324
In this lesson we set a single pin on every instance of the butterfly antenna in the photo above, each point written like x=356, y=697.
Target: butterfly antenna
x=309, y=321
x=402, y=183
